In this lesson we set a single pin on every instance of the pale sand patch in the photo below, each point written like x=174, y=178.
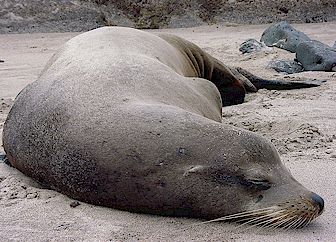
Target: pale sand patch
x=301, y=123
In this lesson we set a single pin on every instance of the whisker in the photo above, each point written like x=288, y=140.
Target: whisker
x=313, y=216
x=270, y=223
x=266, y=223
x=288, y=215
x=238, y=215
x=305, y=223
x=297, y=225
x=280, y=223
x=302, y=223
x=262, y=222
x=260, y=218
x=257, y=211
x=292, y=223
x=273, y=217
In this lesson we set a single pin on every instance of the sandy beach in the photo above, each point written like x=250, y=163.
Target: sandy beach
x=300, y=123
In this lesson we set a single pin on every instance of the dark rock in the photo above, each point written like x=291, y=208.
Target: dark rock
x=81, y=15
x=251, y=45
x=284, y=10
x=334, y=46
x=289, y=67
x=4, y=159
x=74, y=204
x=2, y=61
x=55, y=16
x=2, y=156
x=316, y=56
x=284, y=36
x=186, y=20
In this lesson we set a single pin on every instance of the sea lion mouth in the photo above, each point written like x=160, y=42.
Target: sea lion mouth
x=288, y=215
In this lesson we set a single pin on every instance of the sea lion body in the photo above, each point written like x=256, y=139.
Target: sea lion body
x=126, y=119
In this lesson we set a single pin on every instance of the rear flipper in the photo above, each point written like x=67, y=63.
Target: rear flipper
x=260, y=83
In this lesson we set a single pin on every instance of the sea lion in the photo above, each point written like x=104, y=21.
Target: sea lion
x=128, y=119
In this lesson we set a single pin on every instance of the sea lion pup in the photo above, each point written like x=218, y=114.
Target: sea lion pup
x=126, y=119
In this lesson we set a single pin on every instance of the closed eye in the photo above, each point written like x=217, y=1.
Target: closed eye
x=258, y=184
x=255, y=184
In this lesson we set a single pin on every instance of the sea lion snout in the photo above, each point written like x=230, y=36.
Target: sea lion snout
x=319, y=201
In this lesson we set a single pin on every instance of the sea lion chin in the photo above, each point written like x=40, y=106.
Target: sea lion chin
x=131, y=120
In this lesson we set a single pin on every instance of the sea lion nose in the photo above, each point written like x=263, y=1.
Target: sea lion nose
x=318, y=200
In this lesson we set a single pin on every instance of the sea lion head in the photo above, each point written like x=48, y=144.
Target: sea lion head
x=252, y=186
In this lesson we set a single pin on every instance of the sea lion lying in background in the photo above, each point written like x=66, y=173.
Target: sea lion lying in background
x=132, y=120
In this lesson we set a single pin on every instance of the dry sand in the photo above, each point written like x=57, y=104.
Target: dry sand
x=301, y=123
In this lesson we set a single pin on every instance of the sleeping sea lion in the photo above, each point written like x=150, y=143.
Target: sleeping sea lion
x=132, y=120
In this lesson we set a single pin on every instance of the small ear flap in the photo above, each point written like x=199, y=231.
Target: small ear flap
x=195, y=169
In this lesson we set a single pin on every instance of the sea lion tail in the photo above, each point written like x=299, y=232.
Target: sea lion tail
x=260, y=83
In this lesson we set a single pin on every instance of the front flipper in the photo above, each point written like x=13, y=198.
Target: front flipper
x=260, y=83
x=231, y=87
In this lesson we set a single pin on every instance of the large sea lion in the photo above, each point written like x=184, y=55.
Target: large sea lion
x=131, y=120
